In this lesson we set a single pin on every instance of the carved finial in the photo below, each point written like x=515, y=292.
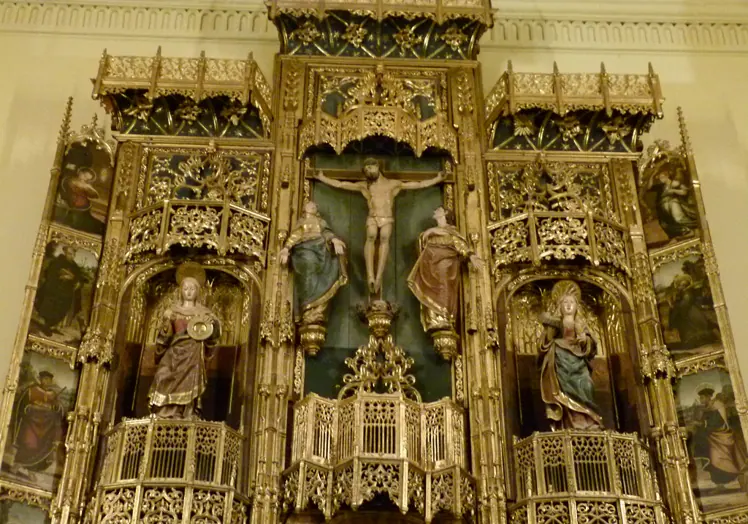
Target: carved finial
x=202, y=54
x=684, y=132
x=66, y=118
x=651, y=69
x=603, y=71
x=251, y=55
x=104, y=55
x=555, y=67
x=158, y=51
x=509, y=67
x=94, y=120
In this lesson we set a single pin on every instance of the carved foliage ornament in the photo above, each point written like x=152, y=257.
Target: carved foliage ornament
x=185, y=96
x=352, y=34
x=540, y=129
x=543, y=211
x=176, y=115
x=345, y=105
x=218, y=201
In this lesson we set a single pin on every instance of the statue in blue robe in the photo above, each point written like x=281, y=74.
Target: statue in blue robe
x=317, y=259
x=567, y=350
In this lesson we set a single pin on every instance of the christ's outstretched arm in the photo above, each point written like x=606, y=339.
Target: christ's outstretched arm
x=424, y=183
x=340, y=184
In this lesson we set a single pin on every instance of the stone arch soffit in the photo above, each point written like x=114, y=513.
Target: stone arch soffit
x=243, y=274
x=310, y=149
x=592, y=276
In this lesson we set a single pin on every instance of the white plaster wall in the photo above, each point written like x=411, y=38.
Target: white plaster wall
x=703, y=67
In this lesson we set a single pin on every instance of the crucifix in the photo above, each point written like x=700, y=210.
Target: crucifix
x=379, y=192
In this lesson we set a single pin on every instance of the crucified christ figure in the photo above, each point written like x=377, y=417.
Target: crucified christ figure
x=379, y=192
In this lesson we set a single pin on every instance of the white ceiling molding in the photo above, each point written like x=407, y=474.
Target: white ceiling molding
x=533, y=33
x=702, y=11
x=633, y=25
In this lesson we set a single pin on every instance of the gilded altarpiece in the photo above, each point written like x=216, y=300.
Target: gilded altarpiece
x=364, y=291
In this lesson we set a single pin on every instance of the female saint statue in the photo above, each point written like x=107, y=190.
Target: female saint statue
x=435, y=280
x=187, y=334
x=569, y=345
x=318, y=263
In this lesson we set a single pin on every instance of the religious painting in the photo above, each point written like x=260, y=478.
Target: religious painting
x=685, y=304
x=35, y=446
x=62, y=306
x=706, y=408
x=12, y=512
x=668, y=205
x=82, y=198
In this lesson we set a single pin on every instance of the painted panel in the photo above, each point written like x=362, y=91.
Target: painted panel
x=35, y=447
x=686, y=306
x=64, y=295
x=668, y=206
x=19, y=513
x=706, y=407
x=82, y=199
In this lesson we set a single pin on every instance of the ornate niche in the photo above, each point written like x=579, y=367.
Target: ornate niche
x=374, y=430
x=560, y=207
x=574, y=400
x=179, y=314
x=401, y=118
x=605, y=313
x=198, y=446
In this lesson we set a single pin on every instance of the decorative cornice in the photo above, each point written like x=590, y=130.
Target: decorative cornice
x=635, y=25
x=693, y=11
x=522, y=31
x=133, y=18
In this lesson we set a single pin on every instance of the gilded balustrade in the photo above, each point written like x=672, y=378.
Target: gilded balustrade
x=347, y=451
x=537, y=236
x=168, y=471
x=574, y=476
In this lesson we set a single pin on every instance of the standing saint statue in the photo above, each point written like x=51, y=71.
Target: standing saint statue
x=379, y=192
x=569, y=345
x=186, y=336
x=318, y=262
x=435, y=280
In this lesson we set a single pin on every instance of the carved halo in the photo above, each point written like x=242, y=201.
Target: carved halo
x=191, y=269
x=564, y=288
x=704, y=387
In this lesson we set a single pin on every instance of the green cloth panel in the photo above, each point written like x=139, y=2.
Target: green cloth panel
x=345, y=213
